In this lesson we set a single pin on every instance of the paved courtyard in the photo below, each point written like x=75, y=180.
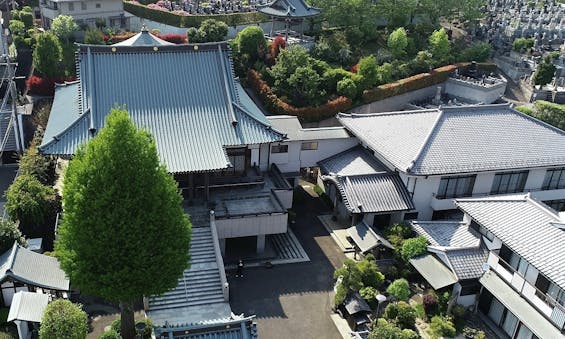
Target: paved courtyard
x=293, y=300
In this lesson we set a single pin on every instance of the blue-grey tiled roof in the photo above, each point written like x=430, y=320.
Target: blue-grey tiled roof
x=143, y=38
x=459, y=139
x=32, y=268
x=186, y=96
x=289, y=8
x=467, y=263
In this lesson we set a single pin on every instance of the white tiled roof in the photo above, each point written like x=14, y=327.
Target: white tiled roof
x=446, y=233
x=28, y=306
x=526, y=226
x=459, y=139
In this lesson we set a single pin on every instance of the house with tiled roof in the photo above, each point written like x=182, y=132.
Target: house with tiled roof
x=523, y=287
x=463, y=151
x=24, y=270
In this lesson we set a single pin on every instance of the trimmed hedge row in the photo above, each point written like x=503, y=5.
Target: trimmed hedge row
x=177, y=20
x=277, y=106
x=409, y=84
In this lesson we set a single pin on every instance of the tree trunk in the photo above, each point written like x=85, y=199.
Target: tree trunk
x=127, y=329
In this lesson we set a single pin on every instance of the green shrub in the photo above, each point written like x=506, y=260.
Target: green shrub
x=401, y=230
x=146, y=333
x=116, y=325
x=458, y=311
x=28, y=200
x=525, y=109
x=443, y=327
x=111, y=334
x=369, y=70
x=391, y=311
x=406, y=317
x=369, y=293
x=334, y=75
x=93, y=37
x=347, y=88
x=399, y=289
x=548, y=112
x=62, y=319
x=414, y=247
x=341, y=293
x=370, y=274
x=479, y=52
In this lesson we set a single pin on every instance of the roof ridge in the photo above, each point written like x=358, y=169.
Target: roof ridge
x=362, y=115
x=426, y=140
x=56, y=137
x=544, y=208
x=12, y=257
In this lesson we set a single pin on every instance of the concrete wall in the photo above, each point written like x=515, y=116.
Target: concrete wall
x=424, y=191
x=285, y=197
x=398, y=102
x=474, y=93
x=296, y=158
x=252, y=225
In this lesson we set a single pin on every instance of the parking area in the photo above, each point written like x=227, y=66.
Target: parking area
x=293, y=300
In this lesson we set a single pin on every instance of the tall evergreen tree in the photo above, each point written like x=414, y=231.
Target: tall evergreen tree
x=124, y=233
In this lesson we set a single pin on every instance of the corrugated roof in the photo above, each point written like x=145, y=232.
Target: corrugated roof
x=289, y=8
x=467, y=263
x=33, y=268
x=434, y=271
x=365, y=238
x=525, y=312
x=459, y=139
x=28, y=306
x=290, y=125
x=354, y=161
x=446, y=233
x=527, y=227
x=236, y=327
x=383, y=192
x=186, y=96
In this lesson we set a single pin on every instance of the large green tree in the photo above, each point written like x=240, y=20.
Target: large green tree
x=47, y=55
x=124, y=233
x=9, y=233
x=64, y=26
x=440, y=47
x=544, y=73
x=397, y=42
x=63, y=320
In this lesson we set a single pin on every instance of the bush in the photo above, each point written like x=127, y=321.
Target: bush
x=430, y=304
x=384, y=329
x=9, y=233
x=177, y=20
x=441, y=326
x=406, y=316
x=173, y=38
x=47, y=55
x=370, y=274
x=146, y=333
x=111, y=334
x=548, y=112
x=401, y=230
x=347, y=88
x=35, y=164
x=45, y=85
x=210, y=30
x=276, y=106
x=414, y=247
x=479, y=52
x=369, y=70
x=334, y=75
x=116, y=325
x=522, y=44
x=399, y=289
x=369, y=294
x=525, y=109
x=28, y=200
x=63, y=319
x=458, y=311
x=93, y=37
x=391, y=311
x=251, y=41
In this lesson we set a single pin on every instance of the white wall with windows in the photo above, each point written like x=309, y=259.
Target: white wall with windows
x=83, y=11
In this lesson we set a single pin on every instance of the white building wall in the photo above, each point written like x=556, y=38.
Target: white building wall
x=474, y=93
x=264, y=157
x=94, y=9
x=326, y=149
x=289, y=161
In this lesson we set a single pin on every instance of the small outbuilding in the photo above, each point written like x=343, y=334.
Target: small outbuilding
x=26, y=311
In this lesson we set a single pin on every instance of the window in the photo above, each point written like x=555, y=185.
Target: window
x=411, y=216
x=279, y=149
x=309, y=146
x=83, y=6
x=509, y=182
x=554, y=179
x=547, y=288
x=514, y=261
x=98, y=5
x=55, y=5
x=558, y=205
x=482, y=230
x=71, y=6
x=455, y=187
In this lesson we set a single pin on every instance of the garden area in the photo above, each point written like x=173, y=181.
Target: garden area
x=399, y=307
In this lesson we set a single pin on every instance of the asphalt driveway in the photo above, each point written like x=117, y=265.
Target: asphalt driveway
x=293, y=300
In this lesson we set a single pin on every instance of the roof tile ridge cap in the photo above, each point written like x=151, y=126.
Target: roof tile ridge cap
x=492, y=198
x=414, y=111
x=427, y=139
x=544, y=208
x=12, y=258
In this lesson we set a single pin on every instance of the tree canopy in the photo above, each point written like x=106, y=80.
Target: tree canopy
x=64, y=26
x=63, y=320
x=47, y=55
x=397, y=42
x=544, y=73
x=399, y=289
x=9, y=233
x=440, y=47
x=124, y=233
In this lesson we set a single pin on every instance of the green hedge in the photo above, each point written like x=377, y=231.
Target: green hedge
x=176, y=20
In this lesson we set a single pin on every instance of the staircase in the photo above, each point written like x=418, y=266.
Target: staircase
x=201, y=283
x=287, y=247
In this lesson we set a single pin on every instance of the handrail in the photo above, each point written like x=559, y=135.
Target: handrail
x=219, y=259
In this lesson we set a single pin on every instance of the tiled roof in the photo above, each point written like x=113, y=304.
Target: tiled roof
x=525, y=225
x=186, y=96
x=446, y=233
x=354, y=161
x=28, y=306
x=33, y=268
x=467, y=263
x=289, y=8
x=459, y=139
x=365, y=238
x=365, y=184
x=143, y=38
x=290, y=125
x=236, y=327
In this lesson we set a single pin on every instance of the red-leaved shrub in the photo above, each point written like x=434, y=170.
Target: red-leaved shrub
x=277, y=45
x=173, y=38
x=44, y=86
